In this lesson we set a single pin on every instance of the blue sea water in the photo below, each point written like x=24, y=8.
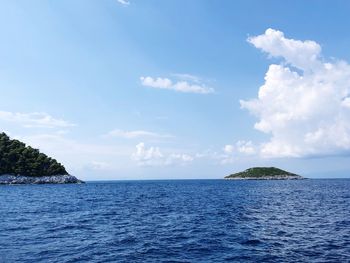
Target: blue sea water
x=177, y=221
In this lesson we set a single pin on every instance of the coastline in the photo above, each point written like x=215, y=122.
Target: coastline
x=7, y=179
x=268, y=178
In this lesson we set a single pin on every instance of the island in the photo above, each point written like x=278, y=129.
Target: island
x=21, y=164
x=264, y=173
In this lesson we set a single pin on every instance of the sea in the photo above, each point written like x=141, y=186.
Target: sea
x=177, y=221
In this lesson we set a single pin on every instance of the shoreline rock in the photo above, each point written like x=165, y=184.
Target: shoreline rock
x=8, y=179
x=282, y=177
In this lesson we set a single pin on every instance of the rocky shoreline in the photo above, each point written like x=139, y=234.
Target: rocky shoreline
x=282, y=177
x=8, y=179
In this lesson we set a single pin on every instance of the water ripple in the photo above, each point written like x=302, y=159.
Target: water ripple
x=177, y=221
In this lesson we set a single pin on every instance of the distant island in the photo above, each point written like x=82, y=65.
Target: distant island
x=21, y=164
x=264, y=173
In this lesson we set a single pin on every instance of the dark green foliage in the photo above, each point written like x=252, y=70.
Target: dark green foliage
x=18, y=159
x=261, y=172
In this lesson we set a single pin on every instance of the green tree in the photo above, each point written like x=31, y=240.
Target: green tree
x=18, y=159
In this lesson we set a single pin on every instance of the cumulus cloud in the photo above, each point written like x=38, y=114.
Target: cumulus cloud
x=300, y=54
x=34, y=120
x=232, y=151
x=137, y=134
x=124, y=2
x=304, y=104
x=191, y=86
x=152, y=156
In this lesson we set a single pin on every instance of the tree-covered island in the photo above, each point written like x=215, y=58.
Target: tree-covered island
x=264, y=173
x=21, y=164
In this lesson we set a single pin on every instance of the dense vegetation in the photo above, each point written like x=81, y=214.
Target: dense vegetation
x=18, y=159
x=261, y=172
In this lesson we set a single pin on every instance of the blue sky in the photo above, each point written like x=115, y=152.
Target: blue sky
x=157, y=89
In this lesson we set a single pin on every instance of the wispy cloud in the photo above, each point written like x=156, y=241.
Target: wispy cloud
x=153, y=156
x=191, y=85
x=137, y=134
x=188, y=77
x=124, y=2
x=34, y=120
x=98, y=165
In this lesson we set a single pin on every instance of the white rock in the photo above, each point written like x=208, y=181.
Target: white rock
x=53, y=179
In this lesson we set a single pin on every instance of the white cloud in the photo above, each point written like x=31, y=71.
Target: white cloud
x=245, y=147
x=228, y=149
x=346, y=102
x=152, y=156
x=124, y=2
x=182, y=158
x=301, y=54
x=241, y=147
x=188, y=77
x=232, y=152
x=179, y=86
x=147, y=156
x=34, y=120
x=136, y=134
x=307, y=113
x=161, y=83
